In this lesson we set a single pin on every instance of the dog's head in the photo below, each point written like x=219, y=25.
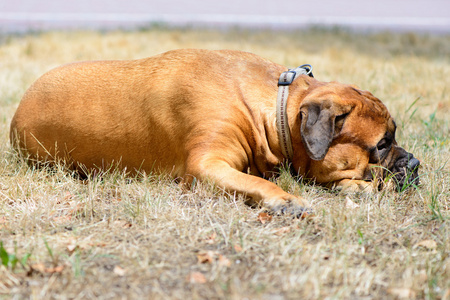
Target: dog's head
x=349, y=134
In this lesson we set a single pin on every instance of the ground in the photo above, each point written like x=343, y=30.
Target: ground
x=118, y=237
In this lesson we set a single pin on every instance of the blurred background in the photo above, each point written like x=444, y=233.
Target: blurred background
x=400, y=15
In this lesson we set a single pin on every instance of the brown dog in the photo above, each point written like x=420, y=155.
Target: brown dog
x=210, y=115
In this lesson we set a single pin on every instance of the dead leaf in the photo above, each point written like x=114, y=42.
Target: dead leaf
x=428, y=244
x=41, y=268
x=68, y=196
x=223, y=261
x=405, y=293
x=237, y=248
x=72, y=247
x=97, y=244
x=206, y=257
x=57, y=269
x=282, y=230
x=264, y=217
x=75, y=245
x=196, y=277
x=211, y=239
x=123, y=224
x=119, y=271
x=350, y=204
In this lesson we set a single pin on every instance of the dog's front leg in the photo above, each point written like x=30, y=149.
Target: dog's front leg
x=259, y=191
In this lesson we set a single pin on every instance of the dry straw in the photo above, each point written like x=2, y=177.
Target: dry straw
x=116, y=237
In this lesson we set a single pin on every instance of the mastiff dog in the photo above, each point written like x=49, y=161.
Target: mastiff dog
x=229, y=117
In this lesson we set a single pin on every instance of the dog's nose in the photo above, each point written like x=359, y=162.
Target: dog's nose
x=413, y=163
x=406, y=170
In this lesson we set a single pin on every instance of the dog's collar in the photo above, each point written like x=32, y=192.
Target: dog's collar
x=284, y=82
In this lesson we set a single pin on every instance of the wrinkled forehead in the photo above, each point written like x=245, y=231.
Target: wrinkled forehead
x=369, y=112
x=379, y=121
x=372, y=107
x=349, y=94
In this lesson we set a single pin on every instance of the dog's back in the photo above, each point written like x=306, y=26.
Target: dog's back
x=138, y=114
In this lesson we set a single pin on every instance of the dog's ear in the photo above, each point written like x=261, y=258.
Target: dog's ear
x=316, y=129
x=320, y=123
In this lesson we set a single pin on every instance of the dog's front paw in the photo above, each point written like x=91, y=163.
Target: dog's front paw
x=355, y=186
x=292, y=206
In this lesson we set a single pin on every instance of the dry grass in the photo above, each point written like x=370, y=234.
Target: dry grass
x=118, y=237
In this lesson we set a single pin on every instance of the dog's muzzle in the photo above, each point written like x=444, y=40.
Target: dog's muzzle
x=405, y=170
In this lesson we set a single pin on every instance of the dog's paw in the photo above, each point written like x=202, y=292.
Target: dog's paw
x=293, y=206
x=296, y=212
x=348, y=186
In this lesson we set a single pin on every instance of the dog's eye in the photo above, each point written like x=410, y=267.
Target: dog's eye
x=383, y=144
x=380, y=152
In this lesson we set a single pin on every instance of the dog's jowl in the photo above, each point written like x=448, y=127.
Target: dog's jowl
x=227, y=116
